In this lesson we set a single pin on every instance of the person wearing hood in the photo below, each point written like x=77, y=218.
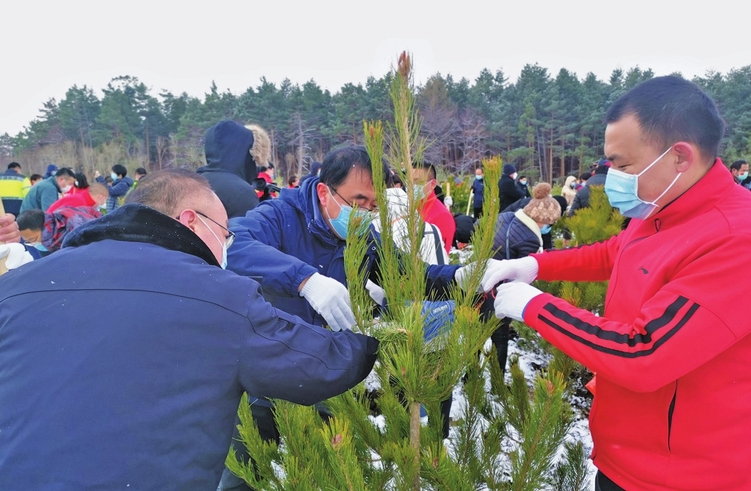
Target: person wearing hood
x=569, y=190
x=233, y=152
x=508, y=191
x=51, y=170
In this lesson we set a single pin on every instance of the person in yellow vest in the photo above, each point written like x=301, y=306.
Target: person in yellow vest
x=13, y=188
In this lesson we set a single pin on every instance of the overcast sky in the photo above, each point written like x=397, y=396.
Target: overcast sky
x=47, y=46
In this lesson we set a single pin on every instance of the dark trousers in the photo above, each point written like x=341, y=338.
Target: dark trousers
x=603, y=483
x=500, y=341
x=478, y=212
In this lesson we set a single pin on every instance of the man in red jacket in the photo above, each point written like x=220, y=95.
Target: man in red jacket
x=431, y=209
x=671, y=349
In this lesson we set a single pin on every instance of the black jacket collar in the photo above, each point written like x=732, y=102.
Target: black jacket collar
x=139, y=223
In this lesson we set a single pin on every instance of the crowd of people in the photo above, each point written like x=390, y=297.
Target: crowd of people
x=219, y=282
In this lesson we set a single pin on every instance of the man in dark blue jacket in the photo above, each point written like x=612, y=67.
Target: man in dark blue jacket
x=148, y=400
x=294, y=245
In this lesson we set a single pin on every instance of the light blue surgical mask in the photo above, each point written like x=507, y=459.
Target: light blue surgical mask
x=479, y=178
x=622, y=190
x=113, y=176
x=223, y=244
x=418, y=191
x=545, y=229
x=340, y=224
x=742, y=177
x=38, y=246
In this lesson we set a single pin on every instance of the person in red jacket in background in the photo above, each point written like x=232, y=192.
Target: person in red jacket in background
x=671, y=348
x=95, y=196
x=431, y=209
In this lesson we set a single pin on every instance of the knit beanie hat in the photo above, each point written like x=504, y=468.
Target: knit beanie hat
x=543, y=208
x=509, y=169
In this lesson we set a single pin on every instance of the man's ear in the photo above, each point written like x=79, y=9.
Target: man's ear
x=323, y=193
x=189, y=218
x=687, y=156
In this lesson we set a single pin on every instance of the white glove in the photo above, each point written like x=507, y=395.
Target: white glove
x=463, y=274
x=524, y=269
x=448, y=201
x=376, y=292
x=330, y=299
x=512, y=298
x=14, y=255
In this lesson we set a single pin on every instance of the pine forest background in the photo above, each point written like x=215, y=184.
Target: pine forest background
x=548, y=126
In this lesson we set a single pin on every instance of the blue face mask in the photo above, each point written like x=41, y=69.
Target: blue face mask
x=479, y=178
x=38, y=246
x=545, y=229
x=340, y=224
x=622, y=191
x=113, y=176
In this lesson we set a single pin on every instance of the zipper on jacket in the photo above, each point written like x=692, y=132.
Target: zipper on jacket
x=670, y=413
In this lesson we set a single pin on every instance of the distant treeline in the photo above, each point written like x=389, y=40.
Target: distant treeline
x=548, y=126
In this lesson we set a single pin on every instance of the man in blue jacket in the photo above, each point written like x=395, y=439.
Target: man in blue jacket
x=148, y=400
x=294, y=246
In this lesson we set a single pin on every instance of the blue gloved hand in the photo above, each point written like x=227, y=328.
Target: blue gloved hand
x=439, y=318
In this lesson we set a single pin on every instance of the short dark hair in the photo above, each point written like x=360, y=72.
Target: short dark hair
x=671, y=109
x=120, y=170
x=14, y=165
x=65, y=172
x=31, y=220
x=338, y=163
x=737, y=164
x=291, y=179
x=428, y=167
x=262, y=168
x=141, y=171
x=35, y=177
x=165, y=190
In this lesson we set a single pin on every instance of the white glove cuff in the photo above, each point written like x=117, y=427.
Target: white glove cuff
x=315, y=284
x=528, y=269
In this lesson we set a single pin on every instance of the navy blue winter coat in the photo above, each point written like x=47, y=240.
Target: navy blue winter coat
x=478, y=188
x=285, y=240
x=145, y=399
x=229, y=167
x=522, y=241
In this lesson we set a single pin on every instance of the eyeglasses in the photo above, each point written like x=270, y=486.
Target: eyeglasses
x=358, y=207
x=230, y=238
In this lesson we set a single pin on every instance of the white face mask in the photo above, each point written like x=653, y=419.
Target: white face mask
x=66, y=188
x=223, y=244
